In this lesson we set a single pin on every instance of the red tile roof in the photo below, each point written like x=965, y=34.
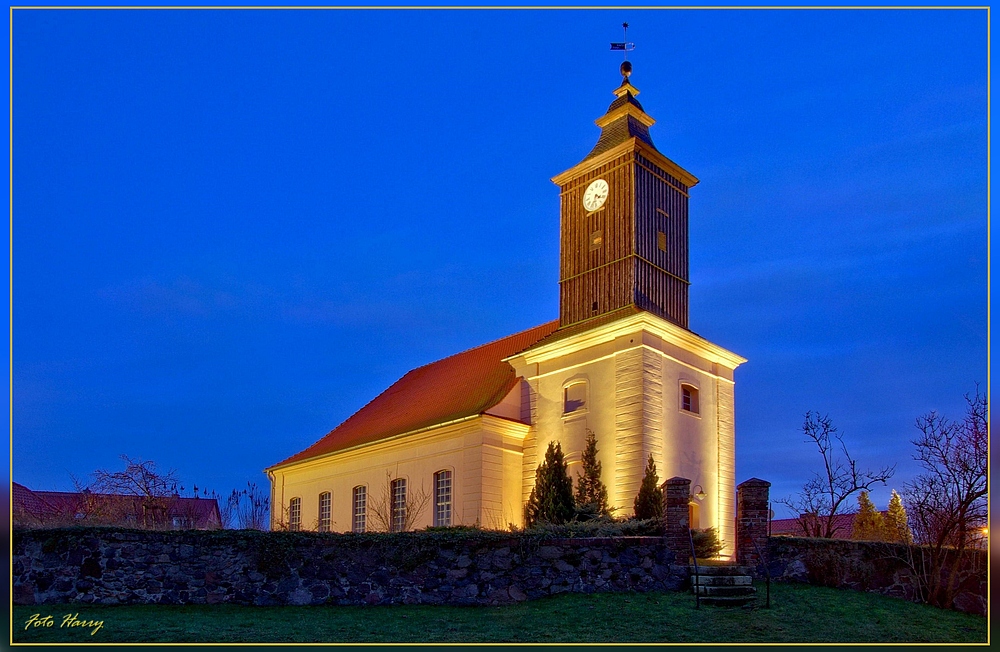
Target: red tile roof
x=792, y=527
x=61, y=507
x=29, y=504
x=463, y=385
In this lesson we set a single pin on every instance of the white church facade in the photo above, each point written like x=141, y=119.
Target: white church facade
x=457, y=442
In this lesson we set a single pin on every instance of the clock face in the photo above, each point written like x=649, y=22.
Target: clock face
x=595, y=194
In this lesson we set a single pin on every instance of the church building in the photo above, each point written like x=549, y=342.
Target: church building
x=457, y=441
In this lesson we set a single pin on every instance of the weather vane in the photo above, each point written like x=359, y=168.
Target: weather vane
x=624, y=46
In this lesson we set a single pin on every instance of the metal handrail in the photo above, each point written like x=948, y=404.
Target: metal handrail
x=767, y=570
x=697, y=580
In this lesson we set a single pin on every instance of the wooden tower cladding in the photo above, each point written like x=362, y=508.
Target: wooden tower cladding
x=629, y=248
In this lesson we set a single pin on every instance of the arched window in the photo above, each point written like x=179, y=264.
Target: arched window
x=689, y=398
x=442, y=498
x=574, y=397
x=295, y=514
x=325, y=500
x=398, y=490
x=359, y=500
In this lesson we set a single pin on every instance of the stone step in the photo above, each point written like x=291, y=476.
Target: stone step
x=722, y=580
x=728, y=601
x=721, y=570
x=726, y=591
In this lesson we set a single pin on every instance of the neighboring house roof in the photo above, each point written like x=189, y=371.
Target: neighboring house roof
x=46, y=506
x=27, y=503
x=459, y=386
x=843, y=525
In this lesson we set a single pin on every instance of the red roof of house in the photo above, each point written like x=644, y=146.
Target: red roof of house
x=459, y=386
x=27, y=502
x=68, y=502
x=65, y=505
x=843, y=525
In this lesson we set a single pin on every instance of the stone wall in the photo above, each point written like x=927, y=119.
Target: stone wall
x=114, y=566
x=870, y=566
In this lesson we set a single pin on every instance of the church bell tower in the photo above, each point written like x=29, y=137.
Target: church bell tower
x=624, y=222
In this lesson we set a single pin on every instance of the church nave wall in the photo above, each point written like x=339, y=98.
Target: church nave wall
x=483, y=455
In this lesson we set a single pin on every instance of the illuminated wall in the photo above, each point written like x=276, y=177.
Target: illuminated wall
x=625, y=382
x=482, y=452
x=634, y=369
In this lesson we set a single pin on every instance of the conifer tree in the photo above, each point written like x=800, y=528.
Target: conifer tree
x=551, y=501
x=591, y=494
x=897, y=527
x=868, y=522
x=649, y=500
x=531, y=507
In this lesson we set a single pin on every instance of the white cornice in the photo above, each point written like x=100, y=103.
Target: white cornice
x=444, y=430
x=668, y=332
x=428, y=432
x=667, y=356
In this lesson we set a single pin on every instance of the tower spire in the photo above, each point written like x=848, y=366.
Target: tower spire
x=625, y=117
x=623, y=220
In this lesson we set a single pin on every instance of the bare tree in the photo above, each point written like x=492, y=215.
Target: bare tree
x=139, y=478
x=282, y=519
x=948, y=501
x=823, y=496
x=253, y=508
x=229, y=509
x=246, y=509
x=90, y=508
x=386, y=515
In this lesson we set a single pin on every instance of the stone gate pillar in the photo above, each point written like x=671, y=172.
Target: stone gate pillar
x=752, y=515
x=676, y=496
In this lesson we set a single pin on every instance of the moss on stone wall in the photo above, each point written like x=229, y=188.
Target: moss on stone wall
x=884, y=568
x=440, y=565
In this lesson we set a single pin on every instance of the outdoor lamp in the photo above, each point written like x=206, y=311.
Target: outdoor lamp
x=700, y=494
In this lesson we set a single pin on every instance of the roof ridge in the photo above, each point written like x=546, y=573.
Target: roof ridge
x=433, y=362
x=42, y=492
x=488, y=376
x=473, y=348
x=16, y=486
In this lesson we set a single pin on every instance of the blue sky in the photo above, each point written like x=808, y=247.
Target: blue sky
x=232, y=229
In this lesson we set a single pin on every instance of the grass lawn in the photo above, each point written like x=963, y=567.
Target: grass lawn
x=799, y=613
